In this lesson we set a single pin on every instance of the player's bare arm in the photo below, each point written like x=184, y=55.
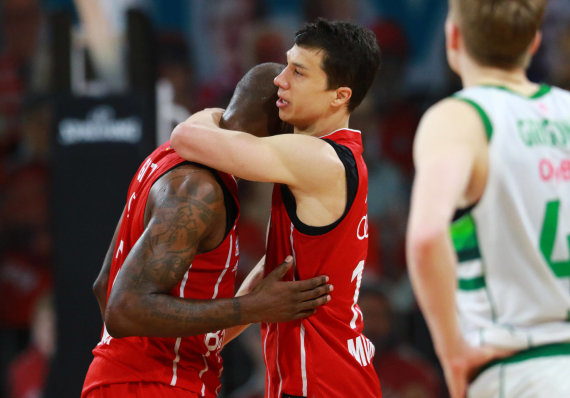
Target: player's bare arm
x=102, y=281
x=297, y=160
x=448, y=150
x=185, y=216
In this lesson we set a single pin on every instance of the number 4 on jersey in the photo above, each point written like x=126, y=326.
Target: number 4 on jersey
x=547, y=238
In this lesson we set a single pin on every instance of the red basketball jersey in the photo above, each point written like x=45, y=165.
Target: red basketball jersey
x=193, y=363
x=325, y=355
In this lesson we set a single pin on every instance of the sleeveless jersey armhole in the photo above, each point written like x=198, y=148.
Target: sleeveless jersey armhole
x=351, y=171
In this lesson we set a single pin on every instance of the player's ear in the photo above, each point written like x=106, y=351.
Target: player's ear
x=452, y=34
x=535, y=44
x=342, y=96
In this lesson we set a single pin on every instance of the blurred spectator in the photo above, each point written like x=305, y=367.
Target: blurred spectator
x=175, y=64
x=25, y=255
x=346, y=10
x=23, y=65
x=218, y=31
x=554, y=54
x=360, y=11
x=402, y=371
x=35, y=119
x=28, y=371
x=265, y=42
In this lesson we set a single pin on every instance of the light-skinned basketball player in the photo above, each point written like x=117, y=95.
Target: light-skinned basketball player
x=319, y=211
x=493, y=280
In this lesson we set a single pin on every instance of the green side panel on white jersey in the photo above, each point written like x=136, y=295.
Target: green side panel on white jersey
x=464, y=237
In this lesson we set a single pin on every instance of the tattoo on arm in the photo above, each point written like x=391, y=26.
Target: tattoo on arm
x=187, y=213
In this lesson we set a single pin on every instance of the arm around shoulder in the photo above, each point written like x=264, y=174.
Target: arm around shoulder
x=293, y=159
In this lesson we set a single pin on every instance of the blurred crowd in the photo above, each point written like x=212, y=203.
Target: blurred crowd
x=204, y=47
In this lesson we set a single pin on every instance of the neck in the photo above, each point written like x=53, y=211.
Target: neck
x=473, y=74
x=325, y=125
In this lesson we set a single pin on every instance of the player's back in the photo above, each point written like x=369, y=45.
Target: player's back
x=513, y=245
x=325, y=355
x=192, y=363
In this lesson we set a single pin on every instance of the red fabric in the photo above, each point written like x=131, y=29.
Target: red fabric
x=27, y=374
x=193, y=363
x=139, y=390
x=330, y=344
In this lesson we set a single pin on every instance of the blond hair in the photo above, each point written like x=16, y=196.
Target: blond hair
x=498, y=32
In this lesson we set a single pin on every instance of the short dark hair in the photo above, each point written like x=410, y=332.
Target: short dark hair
x=351, y=55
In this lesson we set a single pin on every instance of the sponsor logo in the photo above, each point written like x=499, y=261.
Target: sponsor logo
x=100, y=125
x=213, y=341
x=557, y=171
x=362, y=231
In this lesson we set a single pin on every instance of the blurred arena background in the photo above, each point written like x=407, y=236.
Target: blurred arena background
x=89, y=87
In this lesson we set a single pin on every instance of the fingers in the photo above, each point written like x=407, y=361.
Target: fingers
x=314, y=303
x=315, y=293
x=309, y=284
x=279, y=272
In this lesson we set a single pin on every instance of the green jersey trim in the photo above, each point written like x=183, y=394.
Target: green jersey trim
x=464, y=237
x=543, y=89
x=548, y=350
x=472, y=284
x=482, y=114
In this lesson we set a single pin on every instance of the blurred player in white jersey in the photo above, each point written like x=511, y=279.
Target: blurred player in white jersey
x=495, y=291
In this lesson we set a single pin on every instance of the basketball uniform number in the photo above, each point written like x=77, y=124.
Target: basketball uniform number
x=548, y=236
x=356, y=274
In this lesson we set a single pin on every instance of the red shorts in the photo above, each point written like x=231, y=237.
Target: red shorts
x=138, y=390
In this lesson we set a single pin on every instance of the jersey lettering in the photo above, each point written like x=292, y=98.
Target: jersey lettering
x=133, y=197
x=362, y=231
x=357, y=273
x=120, y=249
x=552, y=171
x=145, y=167
x=547, y=238
x=214, y=340
x=361, y=349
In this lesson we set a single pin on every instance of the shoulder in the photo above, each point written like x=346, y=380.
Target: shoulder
x=450, y=122
x=449, y=110
x=189, y=186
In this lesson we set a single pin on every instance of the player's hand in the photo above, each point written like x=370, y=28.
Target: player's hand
x=207, y=117
x=461, y=363
x=274, y=300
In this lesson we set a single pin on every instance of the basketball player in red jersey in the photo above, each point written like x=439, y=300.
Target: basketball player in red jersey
x=166, y=286
x=319, y=210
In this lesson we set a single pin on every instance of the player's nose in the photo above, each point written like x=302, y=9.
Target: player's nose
x=280, y=80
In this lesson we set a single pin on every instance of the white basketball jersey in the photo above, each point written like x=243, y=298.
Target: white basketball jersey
x=513, y=246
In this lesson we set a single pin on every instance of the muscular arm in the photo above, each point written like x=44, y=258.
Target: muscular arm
x=185, y=217
x=304, y=163
x=102, y=281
